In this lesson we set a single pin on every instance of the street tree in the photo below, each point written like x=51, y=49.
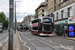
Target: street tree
x=3, y=19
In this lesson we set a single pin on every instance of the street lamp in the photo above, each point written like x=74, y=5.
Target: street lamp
x=15, y=14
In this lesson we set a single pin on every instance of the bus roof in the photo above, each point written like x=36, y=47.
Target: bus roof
x=41, y=18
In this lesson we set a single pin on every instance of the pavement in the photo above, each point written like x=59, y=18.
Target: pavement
x=16, y=43
x=69, y=38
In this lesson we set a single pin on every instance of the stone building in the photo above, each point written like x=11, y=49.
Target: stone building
x=40, y=9
x=65, y=9
x=26, y=20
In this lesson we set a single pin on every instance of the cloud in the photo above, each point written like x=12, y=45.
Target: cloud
x=23, y=8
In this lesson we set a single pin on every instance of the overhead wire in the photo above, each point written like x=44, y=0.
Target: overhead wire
x=1, y=5
x=27, y=4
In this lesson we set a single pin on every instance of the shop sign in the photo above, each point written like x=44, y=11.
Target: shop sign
x=73, y=18
x=61, y=23
x=66, y=21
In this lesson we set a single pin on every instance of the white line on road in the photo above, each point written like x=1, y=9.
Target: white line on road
x=6, y=40
x=57, y=44
x=0, y=44
x=24, y=42
x=3, y=42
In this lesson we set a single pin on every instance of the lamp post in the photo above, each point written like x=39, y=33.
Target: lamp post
x=15, y=15
x=11, y=8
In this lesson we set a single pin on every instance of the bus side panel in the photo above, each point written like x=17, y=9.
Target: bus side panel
x=34, y=32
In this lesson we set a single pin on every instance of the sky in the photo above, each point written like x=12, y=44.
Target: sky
x=23, y=7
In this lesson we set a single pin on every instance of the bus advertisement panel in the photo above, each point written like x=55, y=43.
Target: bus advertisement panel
x=71, y=31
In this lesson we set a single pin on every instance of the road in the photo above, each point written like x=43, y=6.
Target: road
x=3, y=36
x=33, y=42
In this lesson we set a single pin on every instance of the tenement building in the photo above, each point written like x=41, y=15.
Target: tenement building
x=64, y=15
x=40, y=9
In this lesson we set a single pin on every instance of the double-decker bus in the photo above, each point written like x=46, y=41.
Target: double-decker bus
x=42, y=26
x=23, y=27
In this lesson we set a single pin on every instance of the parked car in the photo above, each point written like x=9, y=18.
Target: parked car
x=1, y=27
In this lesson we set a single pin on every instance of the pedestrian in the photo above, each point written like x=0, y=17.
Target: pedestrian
x=54, y=32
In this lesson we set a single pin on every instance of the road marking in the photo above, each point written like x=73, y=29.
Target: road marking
x=65, y=47
x=6, y=40
x=27, y=46
x=0, y=44
x=24, y=42
x=56, y=43
x=3, y=42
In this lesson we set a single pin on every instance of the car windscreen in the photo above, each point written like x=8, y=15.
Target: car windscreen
x=0, y=26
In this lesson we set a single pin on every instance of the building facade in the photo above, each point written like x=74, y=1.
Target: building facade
x=64, y=10
x=36, y=13
x=26, y=20
x=46, y=9
x=40, y=9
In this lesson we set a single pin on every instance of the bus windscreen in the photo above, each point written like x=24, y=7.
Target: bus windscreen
x=47, y=20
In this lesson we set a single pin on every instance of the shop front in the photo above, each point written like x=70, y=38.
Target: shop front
x=60, y=26
x=71, y=26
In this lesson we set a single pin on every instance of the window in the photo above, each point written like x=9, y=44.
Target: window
x=47, y=19
x=46, y=1
x=40, y=15
x=0, y=26
x=61, y=1
x=68, y=1
x=57, y=16
x=40, y=11
x=59, y=6
x=62, y=14
x=64, y=0
x=68, y=12
x=54, y=5
x=46, y=13
x=54, y=17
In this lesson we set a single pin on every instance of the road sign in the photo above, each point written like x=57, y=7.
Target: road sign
x=30, y=14
x=11, y=6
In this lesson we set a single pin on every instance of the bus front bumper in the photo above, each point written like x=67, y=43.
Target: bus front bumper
x=45, y=34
